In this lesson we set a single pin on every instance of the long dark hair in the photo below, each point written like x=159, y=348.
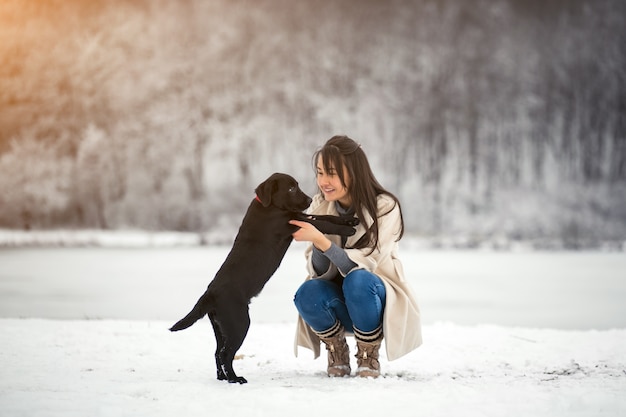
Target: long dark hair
x=341, y=152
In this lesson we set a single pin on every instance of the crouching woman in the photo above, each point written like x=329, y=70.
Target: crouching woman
x=355, y=285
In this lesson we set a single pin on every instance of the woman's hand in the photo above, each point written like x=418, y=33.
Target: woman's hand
x=309, y=233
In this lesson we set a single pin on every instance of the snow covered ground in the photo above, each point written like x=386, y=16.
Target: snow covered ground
x=84, y=333
x=136, y=368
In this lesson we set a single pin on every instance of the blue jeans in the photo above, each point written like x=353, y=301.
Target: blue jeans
x=359, y=303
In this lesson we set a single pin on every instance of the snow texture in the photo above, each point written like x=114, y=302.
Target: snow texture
x=84, y=333
x=126, y=368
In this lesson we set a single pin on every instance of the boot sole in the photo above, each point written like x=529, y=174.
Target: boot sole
x=339, y=371
x=367, y=373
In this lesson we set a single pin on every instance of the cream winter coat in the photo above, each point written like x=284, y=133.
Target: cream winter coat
x=401, y=319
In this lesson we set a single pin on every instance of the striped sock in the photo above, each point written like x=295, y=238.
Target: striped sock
x=332, y=332
x=369, y=337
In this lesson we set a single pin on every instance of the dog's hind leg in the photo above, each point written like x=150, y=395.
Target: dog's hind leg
x=231, y=325
x=219, y=340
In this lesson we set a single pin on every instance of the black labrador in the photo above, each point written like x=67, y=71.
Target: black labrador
x=260, y=245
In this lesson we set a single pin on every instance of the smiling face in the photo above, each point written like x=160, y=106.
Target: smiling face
x=330, y=184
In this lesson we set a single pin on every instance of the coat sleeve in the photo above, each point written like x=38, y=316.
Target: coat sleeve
x=389, y=226
x=320, y=206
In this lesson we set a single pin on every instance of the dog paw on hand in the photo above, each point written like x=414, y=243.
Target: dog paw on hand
x=352, y=221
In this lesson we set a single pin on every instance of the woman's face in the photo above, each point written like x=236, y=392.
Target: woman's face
x=330, y=184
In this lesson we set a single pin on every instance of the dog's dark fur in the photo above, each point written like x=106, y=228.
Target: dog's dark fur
x=263, y=238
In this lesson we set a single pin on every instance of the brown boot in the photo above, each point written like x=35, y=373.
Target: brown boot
x=338, y=351
x=368, y=346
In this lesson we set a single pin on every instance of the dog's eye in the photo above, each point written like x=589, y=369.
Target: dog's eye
x=292, y=189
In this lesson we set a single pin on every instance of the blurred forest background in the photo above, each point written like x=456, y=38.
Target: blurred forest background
x=491, y=120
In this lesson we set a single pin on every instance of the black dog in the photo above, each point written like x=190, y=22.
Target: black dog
x=264, y=237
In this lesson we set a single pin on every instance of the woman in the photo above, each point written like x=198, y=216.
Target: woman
x=355, y=285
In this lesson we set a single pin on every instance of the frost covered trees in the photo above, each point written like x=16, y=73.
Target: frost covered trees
x=487, y=118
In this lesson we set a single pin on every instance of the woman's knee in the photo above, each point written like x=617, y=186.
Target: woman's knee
x=361, y=282
x=310, y=294
x=321, y=304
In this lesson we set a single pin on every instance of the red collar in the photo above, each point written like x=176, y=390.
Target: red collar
x=258, y=199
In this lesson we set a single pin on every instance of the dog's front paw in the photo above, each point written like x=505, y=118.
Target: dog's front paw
x=348, y=231
x=352, y=221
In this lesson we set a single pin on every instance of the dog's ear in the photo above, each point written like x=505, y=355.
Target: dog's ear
x=265, y=190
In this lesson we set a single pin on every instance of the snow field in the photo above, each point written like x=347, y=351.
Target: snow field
x=137, y=368
x=84, y=333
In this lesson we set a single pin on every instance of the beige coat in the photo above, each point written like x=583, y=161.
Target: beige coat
x=401, y=320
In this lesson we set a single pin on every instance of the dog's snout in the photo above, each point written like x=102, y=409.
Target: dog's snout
x=304, y=201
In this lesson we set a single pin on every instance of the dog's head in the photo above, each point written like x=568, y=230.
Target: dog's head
x=282, y=191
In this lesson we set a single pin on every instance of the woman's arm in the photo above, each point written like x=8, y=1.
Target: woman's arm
x=337, y=256
x=321, y=258
x=309, y=233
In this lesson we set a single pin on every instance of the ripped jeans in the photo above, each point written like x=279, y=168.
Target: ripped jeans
x=359, y=303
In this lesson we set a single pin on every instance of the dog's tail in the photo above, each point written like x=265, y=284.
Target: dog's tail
x=198, y=311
